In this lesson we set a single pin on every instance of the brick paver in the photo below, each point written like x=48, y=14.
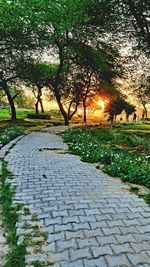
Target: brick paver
x=89, y=218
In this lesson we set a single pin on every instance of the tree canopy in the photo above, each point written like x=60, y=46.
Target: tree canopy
x=73, y=35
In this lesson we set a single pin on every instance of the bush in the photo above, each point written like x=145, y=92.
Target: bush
x=128, y=165
x=9, y=133
x=134, y=140
x=130, y=169
x=38, y=116
x=102, y=135
x=57, y=123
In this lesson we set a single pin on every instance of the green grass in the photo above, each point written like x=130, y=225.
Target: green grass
x=136, y=127
x=123, y=154
x=8, y=133
x=21, y=113
x=16, y=256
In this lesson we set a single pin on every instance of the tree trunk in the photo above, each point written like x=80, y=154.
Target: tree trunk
x=37, y=107
x=62, y=110
x=41, y=104
x=11, y=102
x=70, y=115
x=40, y=99
x=56, y=84
x=84, y=112
x=145, y=110
x=111, y=125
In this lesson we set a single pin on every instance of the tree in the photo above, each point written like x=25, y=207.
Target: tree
x=129, y=109
x=71, y=96
x=37, y=76
x=95, y=66
x=69, y=27
x=142, y=93
x=17, y=40
x=22, y=99
x=114, y=107
x=140, y=18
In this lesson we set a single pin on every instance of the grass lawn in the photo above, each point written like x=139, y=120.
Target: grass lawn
x=137, y=127
x=21, y=113
x=119, y=153
x=51, y=118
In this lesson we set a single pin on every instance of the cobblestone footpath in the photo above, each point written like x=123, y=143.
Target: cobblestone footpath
x=75, y=215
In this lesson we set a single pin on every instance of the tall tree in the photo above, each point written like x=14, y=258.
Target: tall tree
x=140, y=18
x=114, y=107
x=141, y=90
x=18, y=22
x=69, y=27
x=129, y=109
x=37, y=76
x=96, y=67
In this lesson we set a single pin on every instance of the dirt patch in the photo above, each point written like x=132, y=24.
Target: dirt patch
x=53, y=150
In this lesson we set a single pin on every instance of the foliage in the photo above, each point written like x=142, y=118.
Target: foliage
x=16, y=256
x=114, y=107
x=24, y=101
x=101, y=146
x=138, y=14
x=130, y=169
x=129, y=108
x=144, y=126
x=38, y=116
x=57, y=123
x=134, y=189
x=9, y=133
x=141, y=90
x=134, y=140
x=38, y=74
x=17, y=21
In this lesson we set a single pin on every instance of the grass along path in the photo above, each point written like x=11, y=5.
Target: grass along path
x=20, y=237
x=16, y=254
x=120, y=154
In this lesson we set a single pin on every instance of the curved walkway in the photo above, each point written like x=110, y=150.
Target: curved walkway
x=86, y=218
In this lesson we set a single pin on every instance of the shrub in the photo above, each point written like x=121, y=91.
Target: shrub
x=134, y=140
x=9, y=133
x=127, y=165
x=130, y=169
x=102, y=135
x=57, y=123
x=38, y=116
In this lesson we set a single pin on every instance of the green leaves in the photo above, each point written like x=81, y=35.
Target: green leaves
x=9, y=133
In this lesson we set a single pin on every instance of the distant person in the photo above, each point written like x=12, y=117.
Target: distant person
x=134, y=117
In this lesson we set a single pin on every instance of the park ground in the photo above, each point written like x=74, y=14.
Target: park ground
x=61, y=210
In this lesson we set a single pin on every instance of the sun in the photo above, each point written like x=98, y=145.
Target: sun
x=101, y=103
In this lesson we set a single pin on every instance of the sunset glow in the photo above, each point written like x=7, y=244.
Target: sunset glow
x=101, y=103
